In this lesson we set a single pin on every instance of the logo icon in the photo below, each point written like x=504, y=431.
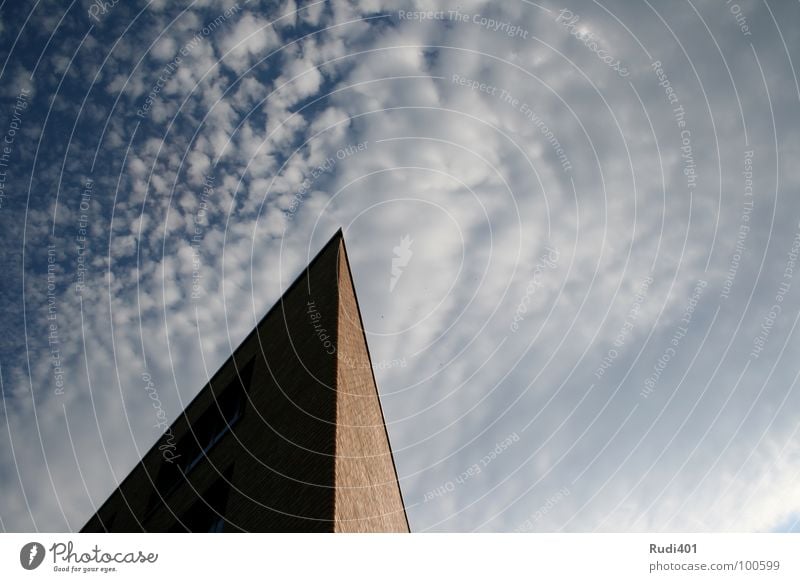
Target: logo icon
x=402, y=255
x=31, y=555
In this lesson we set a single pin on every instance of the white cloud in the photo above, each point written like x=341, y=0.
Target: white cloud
x=479, y=186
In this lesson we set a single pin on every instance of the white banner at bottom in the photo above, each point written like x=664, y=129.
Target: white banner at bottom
x=460, y=557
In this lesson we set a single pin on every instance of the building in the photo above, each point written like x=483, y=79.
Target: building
x=288, y=436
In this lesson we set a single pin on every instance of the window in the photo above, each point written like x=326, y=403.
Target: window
x=215, y=422
x=206, y=514
x=212, y=425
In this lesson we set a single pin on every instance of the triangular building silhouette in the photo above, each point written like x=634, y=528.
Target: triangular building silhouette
x=288, y=436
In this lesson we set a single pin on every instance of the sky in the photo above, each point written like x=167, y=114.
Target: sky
x=574, y=231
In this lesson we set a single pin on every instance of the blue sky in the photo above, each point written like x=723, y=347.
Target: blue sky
x=596, y=314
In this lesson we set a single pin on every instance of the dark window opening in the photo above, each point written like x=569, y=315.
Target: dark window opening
x=221, y=415
x=211, y=426
x=206, y=514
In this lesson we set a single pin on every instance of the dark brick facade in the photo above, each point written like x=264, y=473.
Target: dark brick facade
x=288, y=436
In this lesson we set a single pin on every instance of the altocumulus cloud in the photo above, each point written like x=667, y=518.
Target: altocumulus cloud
x=649, y=384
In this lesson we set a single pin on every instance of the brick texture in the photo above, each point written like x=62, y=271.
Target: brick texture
x=309, y=452
x=367, y=493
